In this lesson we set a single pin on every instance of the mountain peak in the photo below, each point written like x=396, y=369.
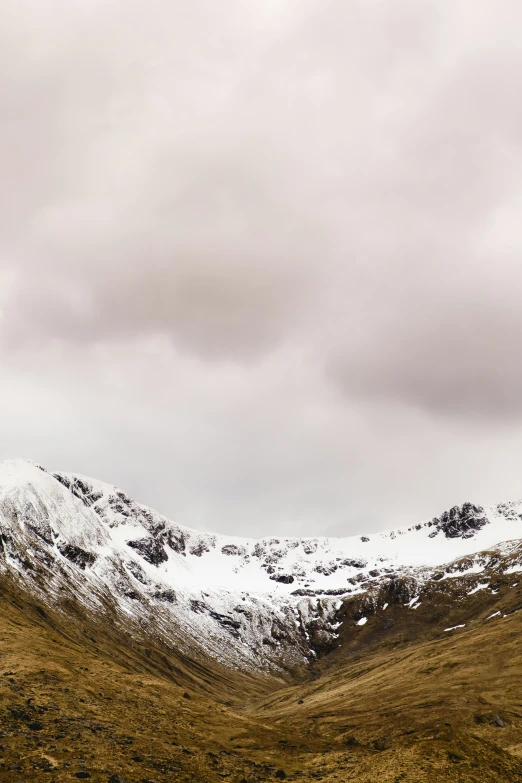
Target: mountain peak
x=232, y=595
x=19, y=466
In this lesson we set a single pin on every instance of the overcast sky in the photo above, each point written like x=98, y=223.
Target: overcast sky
x=261, y=260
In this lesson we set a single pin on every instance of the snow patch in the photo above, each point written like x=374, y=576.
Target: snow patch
x=481, y=586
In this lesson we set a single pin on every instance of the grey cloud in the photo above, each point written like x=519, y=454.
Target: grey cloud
x=270, y=248
x=268, y=451
x=199, y=192
x=465, y=365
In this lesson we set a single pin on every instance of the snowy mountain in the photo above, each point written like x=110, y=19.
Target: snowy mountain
x=267, y=604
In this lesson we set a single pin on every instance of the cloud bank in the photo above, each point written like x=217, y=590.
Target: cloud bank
x=260, y=263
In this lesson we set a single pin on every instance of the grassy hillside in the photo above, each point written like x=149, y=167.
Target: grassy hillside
x=400, y=699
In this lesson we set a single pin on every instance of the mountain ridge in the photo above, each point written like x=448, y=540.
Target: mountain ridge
x=256, y=604
x=124, y=654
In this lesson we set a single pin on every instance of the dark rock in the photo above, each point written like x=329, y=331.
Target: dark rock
x=199, y=548
x=77, y=555
x=79, y=488
x=494, y=719
x=226, y=622
x=461, y=521
x=150, y=549
x=382, y=744
x=35, y=725
x=351, y=742
x=243, y=610
x=281, y=774
x=230, y=549
x=286, y=579
x=186, y=695
x=15, y=767
x=325, y=569
x=167, y=596
x=300, y=701
x=83, y=775
x=16, y=712
x=137, y=572
x=355, y=563
x=198, y=606
x=455, y=757
x=176, y=541
x=309, y=545
x=400, y=590
x=117, y=779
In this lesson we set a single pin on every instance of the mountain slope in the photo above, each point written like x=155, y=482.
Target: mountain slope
x=445, y=711
x=270, y=605
x=389, y=658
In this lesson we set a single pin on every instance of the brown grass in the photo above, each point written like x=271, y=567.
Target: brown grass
x=397, y=701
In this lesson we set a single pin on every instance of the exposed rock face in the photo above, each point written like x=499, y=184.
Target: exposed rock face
x=230, y=549
x=461, y=521
x=79, y=488
x=399, y=590
x=284, y=579
x=77, y=555
x=165, y=595
x=151, y=549
x=198, y=548
x=355, y=563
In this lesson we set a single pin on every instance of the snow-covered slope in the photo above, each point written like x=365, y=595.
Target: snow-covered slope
x=263, y=603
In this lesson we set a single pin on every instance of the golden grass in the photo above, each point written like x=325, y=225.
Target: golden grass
x=400, y=701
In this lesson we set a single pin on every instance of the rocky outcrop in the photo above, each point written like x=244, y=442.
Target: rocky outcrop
x=461, y=521
x=150, y=549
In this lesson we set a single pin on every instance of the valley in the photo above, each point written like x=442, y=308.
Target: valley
x=410, y=673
